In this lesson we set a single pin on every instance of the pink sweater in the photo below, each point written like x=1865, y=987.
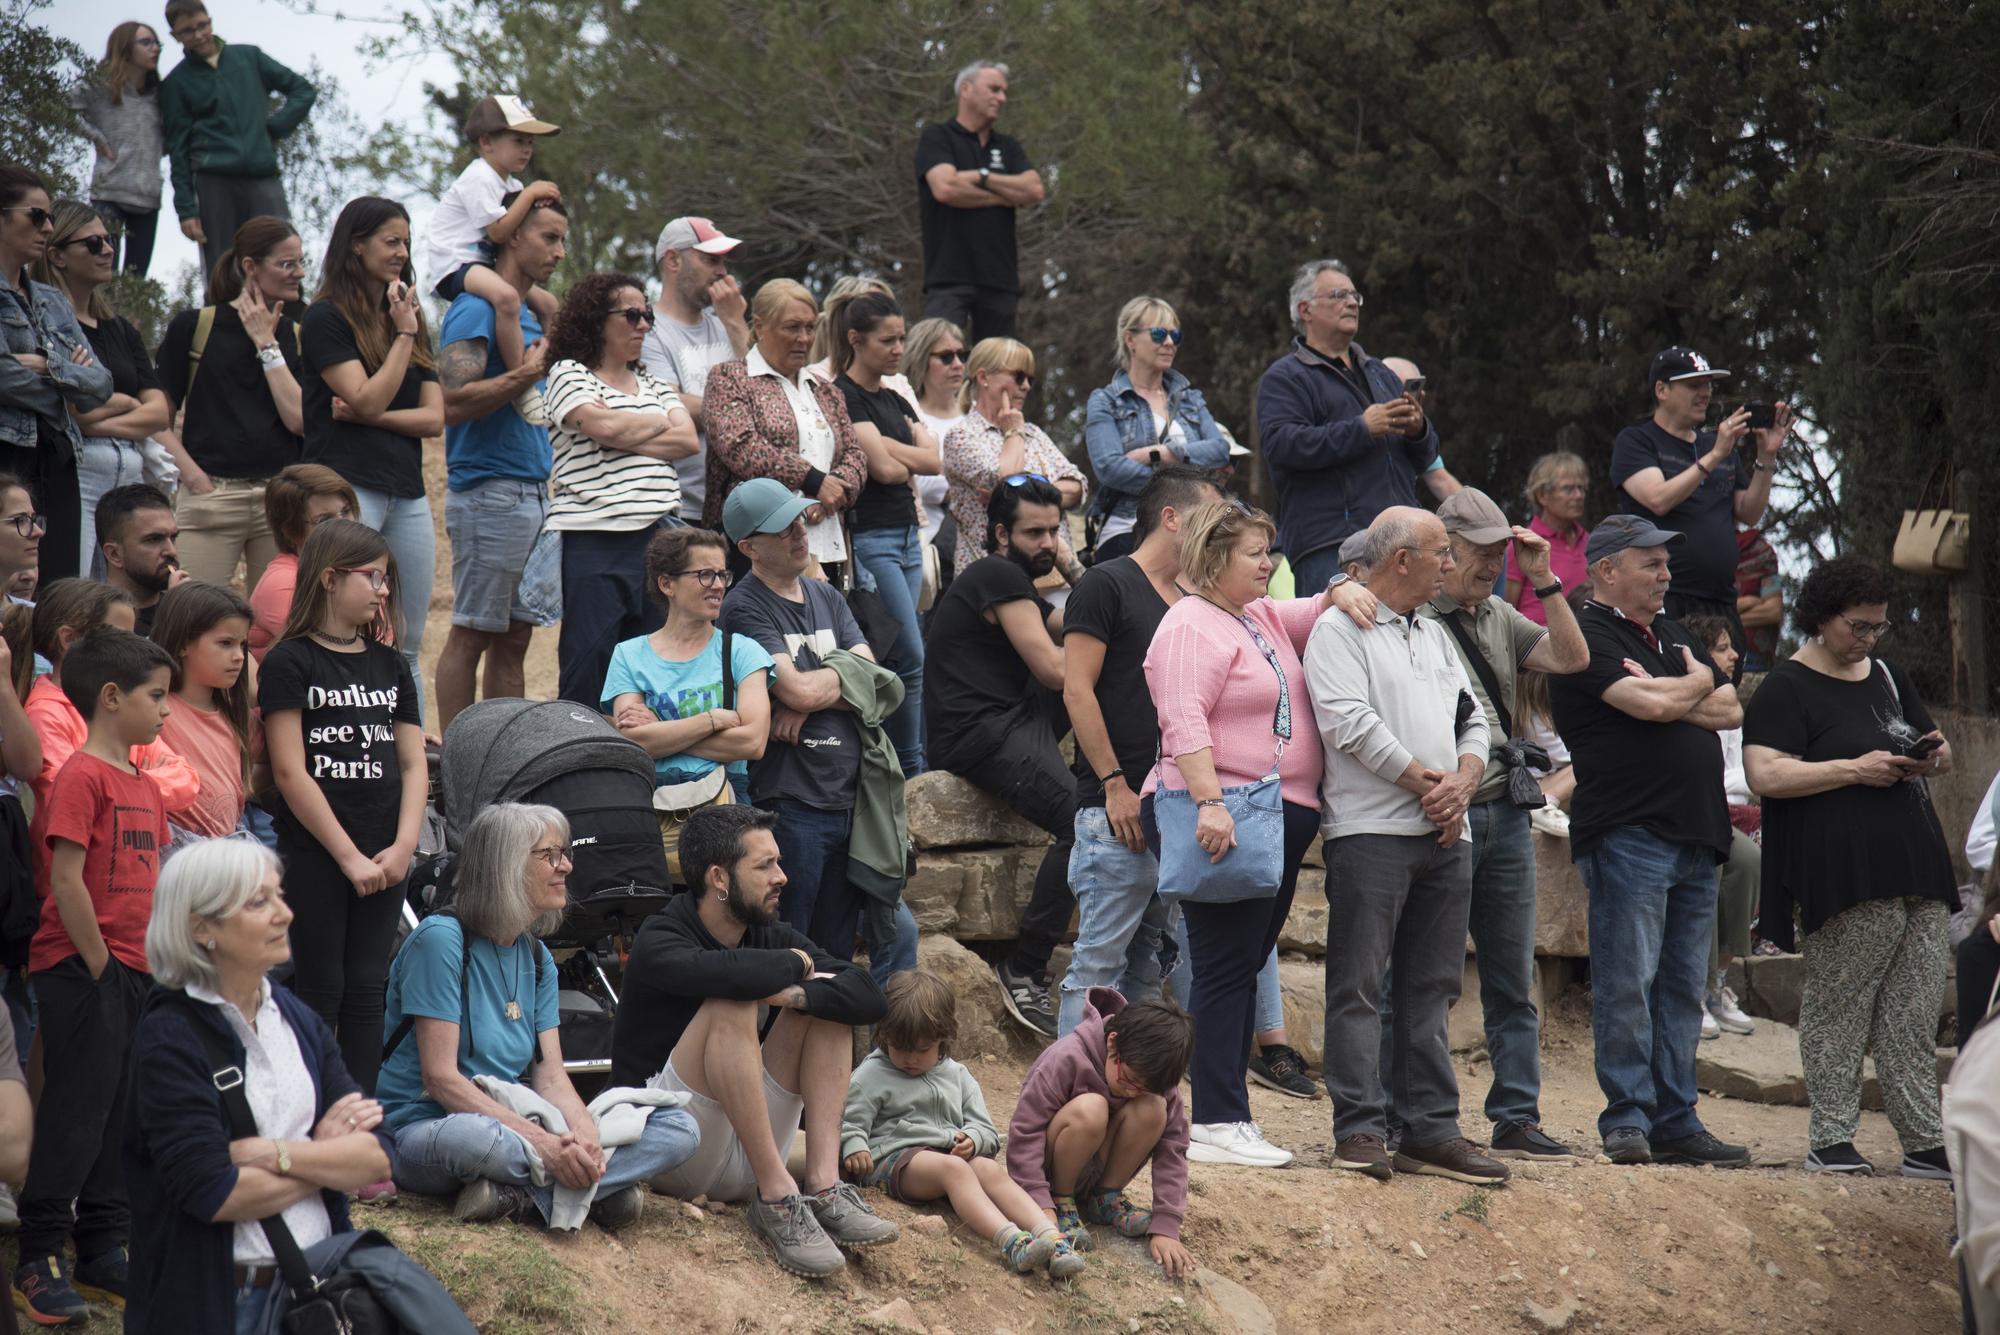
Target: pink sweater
x=1213, y=688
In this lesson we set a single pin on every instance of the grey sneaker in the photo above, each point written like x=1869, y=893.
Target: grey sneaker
x=1627, y=1144
x=621, y=1209
x=801, y=1246
x=846, y=1218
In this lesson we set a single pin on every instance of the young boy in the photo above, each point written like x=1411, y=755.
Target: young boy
x=471, y=219
x=916, y=1125
x=1097, y=1104
x=106, y=826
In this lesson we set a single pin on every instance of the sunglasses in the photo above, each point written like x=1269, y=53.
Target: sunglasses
x=1022, y=379
x=37, y=215
x=1164, y=335
x=950, y=355
x=96, y=245
x=635, y=315
x=1021, y=479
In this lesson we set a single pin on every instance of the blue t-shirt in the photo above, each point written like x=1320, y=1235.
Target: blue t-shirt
x=681, y=690
x=424, y=982
x=501, y=444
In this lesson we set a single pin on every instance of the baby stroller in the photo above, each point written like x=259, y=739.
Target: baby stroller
x=564, y=755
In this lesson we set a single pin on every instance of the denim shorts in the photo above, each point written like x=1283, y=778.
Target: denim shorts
x=493, y=526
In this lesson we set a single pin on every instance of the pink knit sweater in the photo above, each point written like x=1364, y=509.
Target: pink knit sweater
x=1213, y=688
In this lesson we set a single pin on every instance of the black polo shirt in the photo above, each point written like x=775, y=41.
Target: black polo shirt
x=962, y=246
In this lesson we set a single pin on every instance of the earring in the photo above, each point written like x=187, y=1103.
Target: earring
x=206, y=945
x=1820, y=640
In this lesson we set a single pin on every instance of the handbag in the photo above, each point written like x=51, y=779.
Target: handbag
x=1521, y=758
x=1934, y=539
x=1255, y=868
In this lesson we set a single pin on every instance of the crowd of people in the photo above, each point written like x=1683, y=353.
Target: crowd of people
x=801, y=552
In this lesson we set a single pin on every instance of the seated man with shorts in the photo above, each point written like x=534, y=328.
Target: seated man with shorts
x=692, y=1019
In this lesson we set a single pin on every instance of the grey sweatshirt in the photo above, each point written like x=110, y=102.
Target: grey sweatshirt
x=130, y=127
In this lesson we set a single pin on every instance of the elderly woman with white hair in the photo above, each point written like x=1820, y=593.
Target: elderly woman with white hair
x=473, y=1068
x=199, y=1257
x=1147, y=416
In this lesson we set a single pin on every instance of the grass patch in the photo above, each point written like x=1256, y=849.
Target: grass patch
x=1473, y=1207
x=518, y=1288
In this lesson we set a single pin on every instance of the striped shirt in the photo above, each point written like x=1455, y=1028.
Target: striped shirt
x=599, y=489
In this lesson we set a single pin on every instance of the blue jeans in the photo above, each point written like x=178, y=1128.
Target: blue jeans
x=1652, y=912
x=405, y=524
x=1120, y=919
x=438, y=1156
x=251, y=1307
x=604, y=601
x=1311, y=571
x=817, y=899
x=894, y=559
x=102, y=465
x=897, y=953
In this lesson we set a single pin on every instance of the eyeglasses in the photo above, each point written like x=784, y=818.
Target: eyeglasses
x=1163, y=335
x=96, y=245
x=1441, y=553
x=1570, y=488
x=1344, y=294
x=949, y=356
x=150, y=43
x=555, y=857
x=27, y=525
x=1866, y=630
x=286, y=266
x=635, y=315
x=378, y=580
x=710, y=579
x=37, y=215
x=1021, y=479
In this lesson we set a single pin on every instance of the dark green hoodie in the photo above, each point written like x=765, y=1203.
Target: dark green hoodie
x=219, y=118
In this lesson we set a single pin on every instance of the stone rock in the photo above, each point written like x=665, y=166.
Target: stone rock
x=998, y=883
x=1303, y=985
x=1770, y=986
x=1312, y=885
x=896, y=1315
x=1555, y=1318
x=1764, y=1067
x=1562, y=904
x=1305, y=928
x=1235, y=1307
x=948, y=812
x=984, y=1027
x=936, y=1225
x=933, y=894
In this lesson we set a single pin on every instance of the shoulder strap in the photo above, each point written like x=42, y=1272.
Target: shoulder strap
x=204, y=325
x=1481, y=668
x=409, y=1022
x=728, y=682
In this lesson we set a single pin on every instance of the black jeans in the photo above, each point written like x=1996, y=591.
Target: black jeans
x=604, y=603
x=49, y=469
x=87, y=1026
x=1978, y=966
x=340, y=950
x=1026, y=771
x=227, y=202
x=134, y=229
x=982, y=312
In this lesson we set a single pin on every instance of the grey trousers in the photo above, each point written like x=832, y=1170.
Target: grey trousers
x=227, y=202
x=1397, y=899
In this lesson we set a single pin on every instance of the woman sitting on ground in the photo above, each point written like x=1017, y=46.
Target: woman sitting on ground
x=200, y=1260
x=472, y=1030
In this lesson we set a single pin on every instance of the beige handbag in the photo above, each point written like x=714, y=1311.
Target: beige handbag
x=1934, y=539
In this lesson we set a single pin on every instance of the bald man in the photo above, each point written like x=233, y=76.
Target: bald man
x=1437, y=477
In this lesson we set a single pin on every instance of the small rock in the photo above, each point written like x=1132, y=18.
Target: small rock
x=1555, y=1318
x=1771, y=1269
x=1372, y=1229
x=934, y=1224
x=896, y=1315
x=694, y=1212
x=1417, y=1250
x=1132, y=1323
x=1602, y=1158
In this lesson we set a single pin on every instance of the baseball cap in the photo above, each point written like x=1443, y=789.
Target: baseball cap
x=1614, y=533
x=494, y=115
x=761, y=505
x=1353, y=546
x=693, y=234
x=1682, y=364
x=1472, y=515
x=1236, y=451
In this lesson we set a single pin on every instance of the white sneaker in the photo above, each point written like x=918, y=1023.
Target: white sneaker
x=1728, y=1015
x=1234, y=1142
x=10, y=1216
x=1709, y=1028
x=1550, y=820
x=529, y=404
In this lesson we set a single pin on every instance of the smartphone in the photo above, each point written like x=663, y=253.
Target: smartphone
x=1924, y=747
x=1414, y=385
x=1763, y=416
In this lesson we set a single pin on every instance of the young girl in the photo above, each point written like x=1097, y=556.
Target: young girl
x=916, y=1125
x=341, y=724
x=296, y=501
x=205, y=628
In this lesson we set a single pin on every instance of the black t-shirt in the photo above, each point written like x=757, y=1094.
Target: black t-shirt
x=824, y=768
x=142, y=619
x=367, y=456
x=1115, y=604
x=1703, y=565
x=349, y=706
x=1662, y=777
x=972, y=676
x=1833, y=850
x=973, y=246
x=232, y=428
x=882, y=504
x=123, y=353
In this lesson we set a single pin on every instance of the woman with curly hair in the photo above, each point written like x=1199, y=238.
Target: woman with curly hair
x=1838, y=744
x=616, y=432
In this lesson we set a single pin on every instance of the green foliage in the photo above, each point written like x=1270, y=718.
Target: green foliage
x=37, y=68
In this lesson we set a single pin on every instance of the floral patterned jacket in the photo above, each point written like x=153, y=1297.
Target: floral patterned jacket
x=752, y=433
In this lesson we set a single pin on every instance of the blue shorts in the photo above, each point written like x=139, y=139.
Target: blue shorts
x=493, y=526
x=452, y=286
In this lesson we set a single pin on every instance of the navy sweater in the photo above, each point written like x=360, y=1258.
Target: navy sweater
x=1331, y=475
x=177, y=1169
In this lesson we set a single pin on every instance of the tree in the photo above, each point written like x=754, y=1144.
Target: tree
x=37, y=68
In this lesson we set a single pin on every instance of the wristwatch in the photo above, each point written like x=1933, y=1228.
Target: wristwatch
x=270, y=356
x=1153, y=457
x=1554, y=587
x=984, y=172
x=284, y=1159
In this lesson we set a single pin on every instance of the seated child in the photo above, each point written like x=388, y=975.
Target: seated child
x=1099, y=1102
x=917, y=1126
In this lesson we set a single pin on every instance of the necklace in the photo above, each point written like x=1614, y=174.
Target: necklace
x=355, y=638
x=514, y=1002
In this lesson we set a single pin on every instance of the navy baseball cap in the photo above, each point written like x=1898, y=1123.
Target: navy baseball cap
x=1682, y=364
x=1614, y=533
x=761, y=505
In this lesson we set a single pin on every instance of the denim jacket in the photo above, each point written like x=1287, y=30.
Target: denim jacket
x=39, y=320
x=1118, y=420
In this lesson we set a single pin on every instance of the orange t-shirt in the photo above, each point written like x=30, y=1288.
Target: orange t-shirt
x=204, y=739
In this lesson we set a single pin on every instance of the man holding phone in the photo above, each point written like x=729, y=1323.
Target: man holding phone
x=1689, y=479
x=1437, y=478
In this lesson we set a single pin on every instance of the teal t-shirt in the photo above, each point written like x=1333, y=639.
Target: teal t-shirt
x=681, y=690
x=424, y=982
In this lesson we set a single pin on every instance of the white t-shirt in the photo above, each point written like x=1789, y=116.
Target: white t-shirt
x=1176, y=441
x=816, y=446
x=1979, y=839
x=681, y=356
x=598, y=489
x=457, y=232
x=931, y=490
x=1735, y=783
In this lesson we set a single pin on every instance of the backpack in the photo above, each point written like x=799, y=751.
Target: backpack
x=466, y=1039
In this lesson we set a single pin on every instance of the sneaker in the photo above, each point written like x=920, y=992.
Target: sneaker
x=1525, y=1140
x=101, y=1279
x=1709, y=1028
x=846, y=1218
x=1701, y=1148
x=1234, y=1142
x=1627, y=1144
x=1279, y=1067
x=1841, y=1158
x=1363, y=1153
x=1728, y=1015
x=1069, y=1222
x=482, y=1201
x=1027, y=999
x=800, y=1244
x=1550, y=820
x=377, y=1193
x=42, y=1291
x=1929, y=1164
x=1458, y=1159
x=1065, y=1262
x=529, y=403
x=1112, y=1208
x=621, y=1209
x=10, y=1214
x=1024, y=1251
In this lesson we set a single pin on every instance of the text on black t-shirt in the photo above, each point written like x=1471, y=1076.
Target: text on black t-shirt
x=974, y=246
x=349, y=705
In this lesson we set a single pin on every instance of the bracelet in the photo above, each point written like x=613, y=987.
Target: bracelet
x=404, y=333
x=714, y=724
x=1109, y=775
x=1212, y=802
x=1705, y=470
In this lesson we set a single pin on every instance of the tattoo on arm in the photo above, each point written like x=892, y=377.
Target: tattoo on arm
x=462, y=363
